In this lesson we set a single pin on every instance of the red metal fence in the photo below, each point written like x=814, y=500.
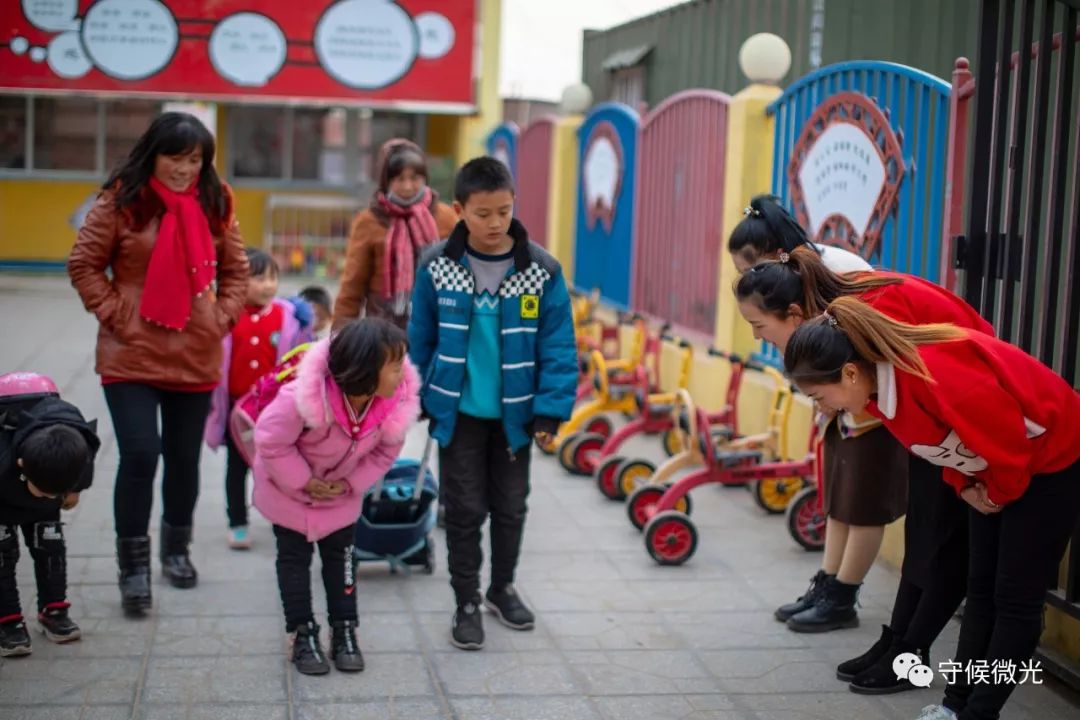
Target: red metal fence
x=534, y=176
x=679, y=212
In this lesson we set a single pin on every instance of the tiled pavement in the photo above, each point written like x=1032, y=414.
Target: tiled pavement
x=618, y=637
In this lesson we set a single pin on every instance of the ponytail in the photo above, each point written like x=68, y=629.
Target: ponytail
x=850, y=331
x=766, y=230
x=801, y=278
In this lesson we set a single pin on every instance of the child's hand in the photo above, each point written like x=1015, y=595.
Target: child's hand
x=70, y=500
x=543, y=437
x=977, y=497
x=320, y=490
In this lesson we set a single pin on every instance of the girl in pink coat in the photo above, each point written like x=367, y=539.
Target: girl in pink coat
x=319, y=445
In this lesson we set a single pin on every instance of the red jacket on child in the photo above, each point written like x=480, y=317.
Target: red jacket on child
x=992, y=414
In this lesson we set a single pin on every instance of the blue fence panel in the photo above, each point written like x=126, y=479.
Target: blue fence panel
x=917, y=107
x=502, y=143
x=606, y=195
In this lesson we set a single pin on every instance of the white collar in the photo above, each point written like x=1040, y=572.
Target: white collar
x=886, y=389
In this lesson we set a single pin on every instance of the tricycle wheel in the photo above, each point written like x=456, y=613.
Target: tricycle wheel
x=586, y=452
x=806, y=520
x=775, y=494
x=566, y=451
x=606, y=478
x=672, y=441
x=632, y=474
x=671, y=538
x=600, y=425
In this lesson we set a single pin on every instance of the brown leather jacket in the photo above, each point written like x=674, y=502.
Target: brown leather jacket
x=128, y=347
x=362, y=280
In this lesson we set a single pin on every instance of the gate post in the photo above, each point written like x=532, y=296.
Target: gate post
x=562, y=192
x=749, y=161
x=963, y=88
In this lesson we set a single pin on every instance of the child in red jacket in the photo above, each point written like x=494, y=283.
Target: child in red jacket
x=1001, y=425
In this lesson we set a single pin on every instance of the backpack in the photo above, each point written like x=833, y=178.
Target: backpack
x=247, y=409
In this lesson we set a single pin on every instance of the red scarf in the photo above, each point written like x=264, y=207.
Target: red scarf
x=183, y=262
x=411, y=229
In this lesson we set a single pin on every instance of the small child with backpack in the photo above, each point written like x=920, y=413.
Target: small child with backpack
x=268, y=328
x=47, y=454
x=327, y=436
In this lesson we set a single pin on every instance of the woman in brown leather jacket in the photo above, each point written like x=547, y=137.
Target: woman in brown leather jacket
x=387, y=238
x=164, y=226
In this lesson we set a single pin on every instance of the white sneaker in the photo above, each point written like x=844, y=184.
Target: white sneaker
x=239, y=539
x=936, y=712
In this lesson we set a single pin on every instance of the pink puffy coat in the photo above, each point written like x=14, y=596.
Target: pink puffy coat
x=305, y=432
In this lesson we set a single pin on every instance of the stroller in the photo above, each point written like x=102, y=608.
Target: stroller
x=397, y=517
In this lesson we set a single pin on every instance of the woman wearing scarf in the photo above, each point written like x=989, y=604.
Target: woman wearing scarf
x=387, y=238
x=164, y=227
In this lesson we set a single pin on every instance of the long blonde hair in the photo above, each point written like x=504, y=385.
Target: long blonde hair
x=850, y=331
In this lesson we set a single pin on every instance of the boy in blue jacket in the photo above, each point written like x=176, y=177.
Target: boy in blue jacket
x=493, y=338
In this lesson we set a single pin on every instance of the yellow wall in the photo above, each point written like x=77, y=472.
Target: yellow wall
x=473, y=130
x=562, y=191
x=35, y=218
x=748, y=172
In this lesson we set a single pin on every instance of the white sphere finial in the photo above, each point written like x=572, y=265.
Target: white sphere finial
x=576, y=99
x=765, y=58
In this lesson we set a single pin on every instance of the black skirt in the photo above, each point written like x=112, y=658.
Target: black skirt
x=866, y=477
x=935, y=529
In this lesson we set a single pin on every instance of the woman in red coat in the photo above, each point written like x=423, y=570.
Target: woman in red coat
x=1002, y=426
x=160, y=263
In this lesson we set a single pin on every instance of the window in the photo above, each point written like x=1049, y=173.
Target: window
x=125, y=122
x=12, y=132
x=324, y=146
x=258, y=141
x=65, y=134
x=628, y=86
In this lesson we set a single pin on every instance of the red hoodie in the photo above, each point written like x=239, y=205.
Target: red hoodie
x=920, y=302
x=994, y=414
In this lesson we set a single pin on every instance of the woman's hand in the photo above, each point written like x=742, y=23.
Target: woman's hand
x=70, y=501
x=976, y=496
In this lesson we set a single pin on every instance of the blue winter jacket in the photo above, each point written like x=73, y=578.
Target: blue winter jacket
x=539, y=357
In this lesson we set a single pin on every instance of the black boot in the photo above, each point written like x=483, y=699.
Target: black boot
x=175, y=561
x=833, y=610
x=343, y=646
x=880, y=678
x=846, y=671
x=307, y=652
x=806, y=601
x=133, y=556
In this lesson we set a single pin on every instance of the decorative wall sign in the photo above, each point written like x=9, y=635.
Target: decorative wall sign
x=845, y=173
x=502, y=144
x=602, y=175
x=380, y=52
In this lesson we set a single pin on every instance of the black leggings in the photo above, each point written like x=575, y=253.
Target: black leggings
x=45, y=540
x=134, y=408
x=236, y=471
x=294, y=575
x=1014, y=556
x=920, y=614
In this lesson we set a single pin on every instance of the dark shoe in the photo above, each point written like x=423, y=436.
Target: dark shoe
x=468, y=630
x=14, y=639
x=58, y=626
x=175, y=560
x=508, y=609
x=880, y=678
x=846, y=671
x=806, y=601
x=307, y=653
x=347, y=655
x=833, y=610
x=133, y=557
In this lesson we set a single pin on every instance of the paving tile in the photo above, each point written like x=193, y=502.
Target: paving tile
x=490, y=673
x=68, y=681
x=220, y=679
x=523, y=709
x=397, y=709
x=231, y=711
x=398, y=675
x=213, y=636
x=631, y=672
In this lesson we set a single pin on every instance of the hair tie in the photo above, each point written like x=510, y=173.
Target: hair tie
x=830, y=319
x=750, y=211
x=784, y=257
